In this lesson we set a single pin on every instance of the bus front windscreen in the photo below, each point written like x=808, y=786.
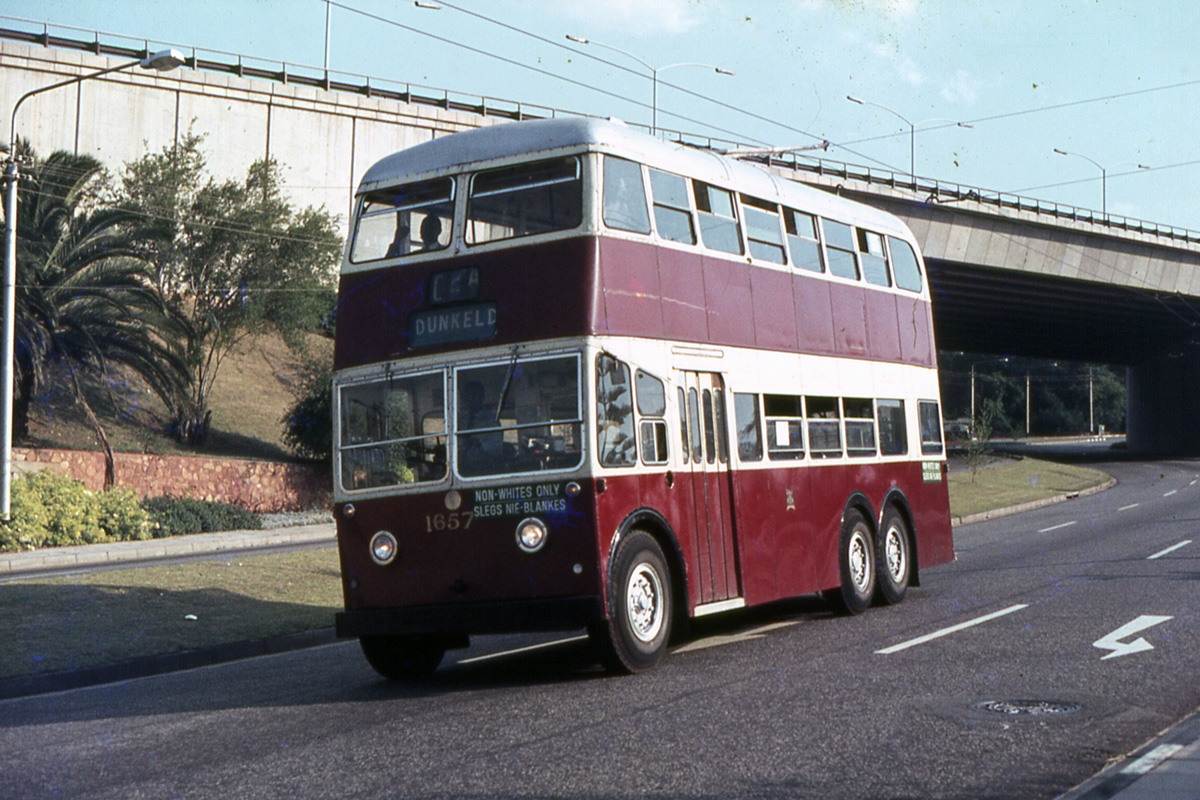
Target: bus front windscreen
x=393, y=431
x=518, y=416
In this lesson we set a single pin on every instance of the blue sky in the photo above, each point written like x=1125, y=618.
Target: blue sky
x=1116, y=82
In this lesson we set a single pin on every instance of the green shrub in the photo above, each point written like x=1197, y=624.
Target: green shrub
x=50, y=510
x=176, y=516
x=308, y=425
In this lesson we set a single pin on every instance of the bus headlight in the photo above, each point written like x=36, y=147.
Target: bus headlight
x=531, y=535
x=383, y=548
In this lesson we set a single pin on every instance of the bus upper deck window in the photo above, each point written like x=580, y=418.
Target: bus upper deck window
x=905, y=265
x=874, y=260
x=762, y=229
x=672, y=211
x=525, y=199
x=718, y=220
x=803, y=242
x=625, y=196
x=840, y=249
x=401, y=220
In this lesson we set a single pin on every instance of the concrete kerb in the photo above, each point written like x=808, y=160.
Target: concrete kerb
x=89, y=555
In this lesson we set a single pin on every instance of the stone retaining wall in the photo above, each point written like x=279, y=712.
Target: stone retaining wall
x=259, y=486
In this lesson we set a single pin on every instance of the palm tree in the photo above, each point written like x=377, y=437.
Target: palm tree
x=86, y=300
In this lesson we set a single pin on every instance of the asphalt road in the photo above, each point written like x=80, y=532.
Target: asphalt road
x=1082, y=615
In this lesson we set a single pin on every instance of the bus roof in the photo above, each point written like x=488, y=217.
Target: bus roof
x=451, y=153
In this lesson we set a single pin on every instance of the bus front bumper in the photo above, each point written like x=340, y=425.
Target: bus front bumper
x=512, y=616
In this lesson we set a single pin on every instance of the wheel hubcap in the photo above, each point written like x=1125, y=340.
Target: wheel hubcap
x=643, y=602
x=860, y=562
x=896, y=557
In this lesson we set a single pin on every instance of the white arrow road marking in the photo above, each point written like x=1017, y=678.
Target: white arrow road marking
x=1113, y=640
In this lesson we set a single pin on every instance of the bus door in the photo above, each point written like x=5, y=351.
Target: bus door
x=703, y=415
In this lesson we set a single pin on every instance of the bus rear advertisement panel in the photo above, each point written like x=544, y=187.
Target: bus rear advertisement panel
x=615, y=384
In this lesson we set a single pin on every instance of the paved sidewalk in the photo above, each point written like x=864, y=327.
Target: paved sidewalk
x=1167, y=768
x=93, y=555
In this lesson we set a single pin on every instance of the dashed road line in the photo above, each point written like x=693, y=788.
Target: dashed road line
x=1173, y=491
x=1056, y=527
x=1131, y=505
x=1170, y=549
x=929, y=637
x=531, y=647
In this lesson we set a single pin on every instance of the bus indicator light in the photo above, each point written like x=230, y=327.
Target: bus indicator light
x=453, y=500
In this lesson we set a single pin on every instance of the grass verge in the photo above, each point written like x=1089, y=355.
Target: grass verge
x=105, y=617
x=1014, y=482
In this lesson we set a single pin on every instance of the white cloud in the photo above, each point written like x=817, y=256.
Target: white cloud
x=960, y=88
x=636, y=17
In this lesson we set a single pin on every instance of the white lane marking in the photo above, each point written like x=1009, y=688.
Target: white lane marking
x=1170, y=549
x=1131, y=505
x=503, y=653
x=1193, y=483
x=1152, y=759
x=1173, y=491
x=929, y=637
x=732, y=638
x=1056, y=527
x=1112, y=641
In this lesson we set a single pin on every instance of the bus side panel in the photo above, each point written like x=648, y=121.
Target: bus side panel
x=814, y=314
x=931, y=515
x=830, y=488
x=849, y=319
x=683, y=310
x=916, y=325
x=727, y=296
x=630, y=284
x=624, y=493
x=882, y=326
x=774, y=309
x=773, y=532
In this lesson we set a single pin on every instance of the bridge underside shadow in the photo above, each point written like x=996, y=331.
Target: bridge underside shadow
x=1155, y=334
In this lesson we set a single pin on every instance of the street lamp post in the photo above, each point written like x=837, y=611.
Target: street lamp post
x=973, y=365
x=653, y=72
x=161, y=61
x=912, y=129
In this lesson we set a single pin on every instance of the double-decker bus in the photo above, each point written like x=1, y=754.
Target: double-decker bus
x=585, y=378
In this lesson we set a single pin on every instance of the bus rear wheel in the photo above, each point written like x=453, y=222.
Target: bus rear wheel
x=404, y=658
x=634, y=636
x=894, y=556
x=856, y=560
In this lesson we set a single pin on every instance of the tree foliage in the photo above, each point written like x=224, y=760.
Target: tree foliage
x=233, y=257
x=86, y=298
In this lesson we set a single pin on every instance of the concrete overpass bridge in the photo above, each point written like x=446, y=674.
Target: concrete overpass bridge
x=1010, y=275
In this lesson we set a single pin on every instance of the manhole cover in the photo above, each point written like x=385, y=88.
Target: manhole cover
x=1027, y=708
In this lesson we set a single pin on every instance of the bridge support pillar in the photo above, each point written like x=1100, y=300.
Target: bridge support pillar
x=1163, y=405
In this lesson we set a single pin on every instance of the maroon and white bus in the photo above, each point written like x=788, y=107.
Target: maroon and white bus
x=585, y=378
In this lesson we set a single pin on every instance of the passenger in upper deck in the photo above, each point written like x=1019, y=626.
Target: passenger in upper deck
x=431, y=230
x=399, y=240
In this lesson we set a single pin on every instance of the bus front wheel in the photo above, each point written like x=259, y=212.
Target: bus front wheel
x=856, y=559
x=403, y=658
x=634, y=636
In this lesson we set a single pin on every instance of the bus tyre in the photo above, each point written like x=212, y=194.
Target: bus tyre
x=856, y=559
x=404, y=658
x=634, y=637
x=893, y=554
